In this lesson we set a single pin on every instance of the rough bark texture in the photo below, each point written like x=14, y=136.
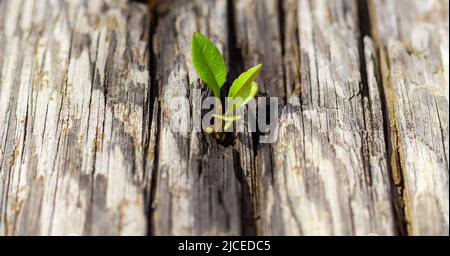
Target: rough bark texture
x=88, y=139
x=413, y=39
x=197, y=190
x=74, y=79
x=327, y=173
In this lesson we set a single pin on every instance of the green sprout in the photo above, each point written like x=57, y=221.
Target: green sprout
x=211, y=68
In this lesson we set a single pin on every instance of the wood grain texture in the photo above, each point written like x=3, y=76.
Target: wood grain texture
x=197, y=189
x=258, y=39
x=88, y=126
x=327, y=172
x=73, y=89
x=413, y=39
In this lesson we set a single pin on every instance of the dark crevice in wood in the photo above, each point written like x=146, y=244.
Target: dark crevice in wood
x=281, y=28
x=236, y=63
x=295, y=86
x=228, y=140
x=364, y=30
x=235, y=59
x=150, y=106
x=397, y=188
x=442, y=133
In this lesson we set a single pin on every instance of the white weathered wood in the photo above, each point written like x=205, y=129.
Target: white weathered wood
x=73, y=86
x=413, y=39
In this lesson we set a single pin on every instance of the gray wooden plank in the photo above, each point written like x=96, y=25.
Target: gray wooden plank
x=327, y=172
x=413, y=37
x=197, y=191
x=73, y=82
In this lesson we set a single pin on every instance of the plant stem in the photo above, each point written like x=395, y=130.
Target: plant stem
x=218, y=125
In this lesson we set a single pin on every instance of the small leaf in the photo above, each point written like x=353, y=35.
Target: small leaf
x=208, y=62
x=244, y=80
x=244, y=95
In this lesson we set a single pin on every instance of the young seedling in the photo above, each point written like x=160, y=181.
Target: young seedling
x=210, y=66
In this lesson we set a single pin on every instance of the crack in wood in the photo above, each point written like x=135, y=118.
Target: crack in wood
x=365, y=31
x=393, y=26
x=85, y=130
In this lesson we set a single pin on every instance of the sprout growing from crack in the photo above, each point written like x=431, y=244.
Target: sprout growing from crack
x=211, y=68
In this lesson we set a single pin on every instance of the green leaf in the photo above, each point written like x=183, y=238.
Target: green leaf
x=244, y=81
x=209, y=63
x=244, y=95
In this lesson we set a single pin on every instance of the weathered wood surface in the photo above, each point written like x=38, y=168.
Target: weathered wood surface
x=87, y=139
x=413, y=38
x=74, y=81
x=327, y=173
x=196, y=190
